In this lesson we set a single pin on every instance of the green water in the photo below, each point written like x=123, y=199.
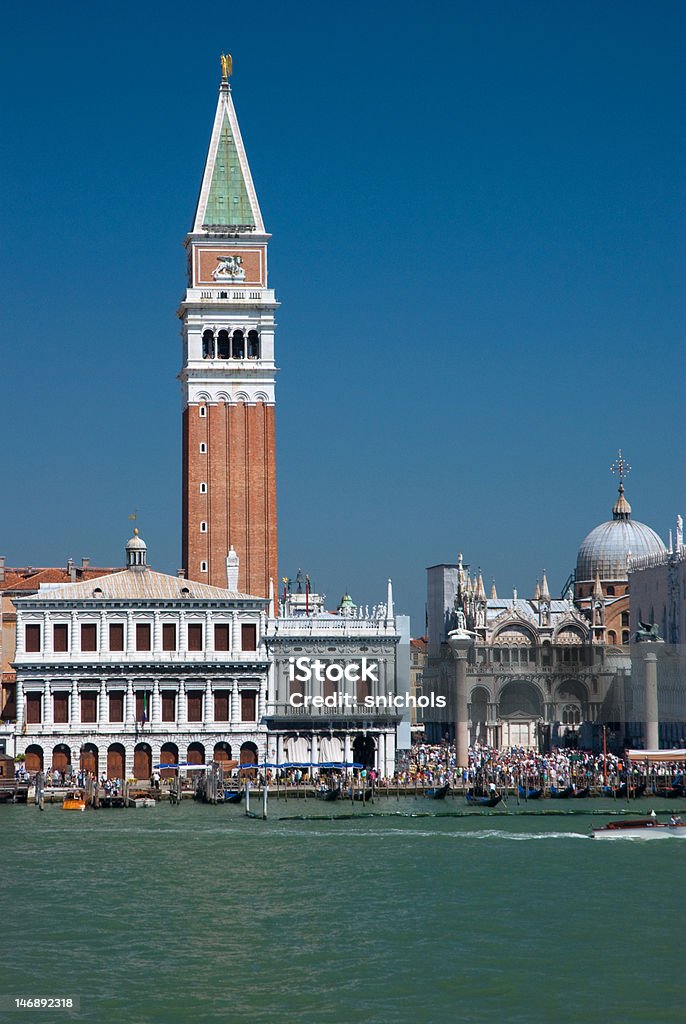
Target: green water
x=196, y=913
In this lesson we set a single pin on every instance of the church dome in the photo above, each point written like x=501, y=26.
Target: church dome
x=606, y=548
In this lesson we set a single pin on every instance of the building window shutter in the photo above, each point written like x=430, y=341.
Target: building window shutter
x=221, y=636
x=168, y=636
x=195, y=636
x=249, y=636
x=60, y=637
x=142, y=636
x=116, y=636
x=89, y=636
x=32, y=639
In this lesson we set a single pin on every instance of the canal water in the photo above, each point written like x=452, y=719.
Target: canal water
x=197, y=913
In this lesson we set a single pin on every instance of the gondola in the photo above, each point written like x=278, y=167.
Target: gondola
x=232, y=796
x=529, y=794
x=482, y=801
x=329, y=794
x=672, y=792
x=615, y=791
x=439, y=793
x=561, y=794
x=360, y=795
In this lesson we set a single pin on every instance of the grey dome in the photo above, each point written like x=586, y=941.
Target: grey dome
x=606, y=549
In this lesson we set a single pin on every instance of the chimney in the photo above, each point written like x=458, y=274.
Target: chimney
x=2, y=568
x=85, y=562
x=71, y=570
x=181, y=573
x=232, y=570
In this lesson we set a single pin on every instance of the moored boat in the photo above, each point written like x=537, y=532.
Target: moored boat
x=561, y=794
x=74, y=800
x=438, y=793
x=483, y=801
x=328, y=793
x=232, y=796
x=529, y=794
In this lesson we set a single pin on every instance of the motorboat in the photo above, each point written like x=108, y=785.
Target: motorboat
x=642, y=828
x=74, y=800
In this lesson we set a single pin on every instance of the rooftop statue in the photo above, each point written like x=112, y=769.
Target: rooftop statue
x=647, y=632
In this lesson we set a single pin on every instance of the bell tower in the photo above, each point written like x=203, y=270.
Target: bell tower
x=228, y=373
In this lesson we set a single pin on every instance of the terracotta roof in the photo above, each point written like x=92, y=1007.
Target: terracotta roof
x=141, y=582
x=420, y=643
x=30, y=579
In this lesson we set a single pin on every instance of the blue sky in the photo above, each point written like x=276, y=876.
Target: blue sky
x=478, y=220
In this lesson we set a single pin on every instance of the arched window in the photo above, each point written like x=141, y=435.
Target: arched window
x=208, y=344
x=611, y=637
x=223, y=345
x=610, y=591
x=203, y=527
x=202, y=411
x=203, y=567
x=253, y=345
x=625, y=636
x=203, y=448
x=238, y=345
x=203, y=488
x=571, y=714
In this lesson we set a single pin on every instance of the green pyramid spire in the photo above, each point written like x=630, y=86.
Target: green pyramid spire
x=228, y=201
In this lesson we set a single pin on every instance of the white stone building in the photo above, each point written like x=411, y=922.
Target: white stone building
x=340, y=713
x=136, y=668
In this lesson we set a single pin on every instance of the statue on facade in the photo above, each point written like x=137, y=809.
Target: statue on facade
x=229, y=268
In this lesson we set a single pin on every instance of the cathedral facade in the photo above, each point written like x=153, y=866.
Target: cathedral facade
x=541, y=671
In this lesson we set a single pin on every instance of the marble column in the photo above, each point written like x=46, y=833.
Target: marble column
x=381, y=754
x=47, y=704
x=460, y=641
x=157, y=632
x=75, y=709
x=182, y=705
x=235, y=710
x=652, y=730
x=130, y=633
x=103, y=711
x=208, y=710
x=130, y=710
x=156, y=715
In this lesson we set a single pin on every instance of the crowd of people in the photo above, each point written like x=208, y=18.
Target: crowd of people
x=434, y=764
x=427, y=764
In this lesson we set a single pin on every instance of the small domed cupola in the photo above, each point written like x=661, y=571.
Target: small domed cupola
x=136, y=552
x=621, y=508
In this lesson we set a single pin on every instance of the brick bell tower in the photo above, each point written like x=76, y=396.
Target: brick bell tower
x=228, y=374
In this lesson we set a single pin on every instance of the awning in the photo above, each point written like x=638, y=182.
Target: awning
x=656, y=755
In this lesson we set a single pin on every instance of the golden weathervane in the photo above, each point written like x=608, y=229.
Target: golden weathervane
x=227, y=66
